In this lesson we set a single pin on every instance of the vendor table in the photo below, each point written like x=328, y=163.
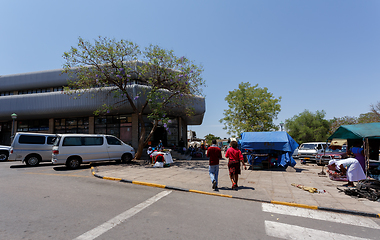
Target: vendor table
x=167, y=156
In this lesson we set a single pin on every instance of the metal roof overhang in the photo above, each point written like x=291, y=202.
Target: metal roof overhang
x=60, y=105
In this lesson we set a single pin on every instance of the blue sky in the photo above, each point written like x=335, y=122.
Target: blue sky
x=316, y=55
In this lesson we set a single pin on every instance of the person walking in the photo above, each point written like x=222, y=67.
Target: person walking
x=234, y=156
x=214, y=154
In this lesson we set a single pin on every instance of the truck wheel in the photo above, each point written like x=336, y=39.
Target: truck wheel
x=3, y=156
x=73, y=163
x=126, y=158
x=32, y=160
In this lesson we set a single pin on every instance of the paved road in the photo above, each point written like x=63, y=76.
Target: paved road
x=51, y=202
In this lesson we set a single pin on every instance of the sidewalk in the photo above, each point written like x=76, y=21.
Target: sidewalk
x=257, y=185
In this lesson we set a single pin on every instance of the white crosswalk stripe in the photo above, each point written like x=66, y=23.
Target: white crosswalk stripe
x=320, y=215
x=288, y=231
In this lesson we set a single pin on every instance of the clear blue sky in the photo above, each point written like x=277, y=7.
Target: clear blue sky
x=316, y=55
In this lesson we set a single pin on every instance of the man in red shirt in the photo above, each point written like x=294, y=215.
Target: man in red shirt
x=214, y=154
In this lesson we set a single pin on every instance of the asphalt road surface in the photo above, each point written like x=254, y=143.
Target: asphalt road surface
x=52, y=202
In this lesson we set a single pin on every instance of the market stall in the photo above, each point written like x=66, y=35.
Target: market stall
x=167, y=156
x=265, y=146
x=367, y=135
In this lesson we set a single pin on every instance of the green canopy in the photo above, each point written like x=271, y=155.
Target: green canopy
x=357, y=131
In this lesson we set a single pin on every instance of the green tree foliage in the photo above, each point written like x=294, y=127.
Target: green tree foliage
x=115, y=66
x=209, y=138
x=251, y=109
x=337, y=122
x=308, y=127
x=369, y=117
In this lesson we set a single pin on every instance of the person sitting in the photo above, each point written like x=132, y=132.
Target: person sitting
x=149, y=152
x=159, y=161
x=350, y=167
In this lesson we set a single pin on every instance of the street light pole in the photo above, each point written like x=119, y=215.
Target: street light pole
x=14, y=117
x=281, y=125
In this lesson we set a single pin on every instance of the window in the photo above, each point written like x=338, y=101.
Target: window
x=119, y=126
x=50, y=140
x=26, y=139
x=72, y=141
x=113, y=141
x=92, y=141
x=82, y=141
x=71, y=125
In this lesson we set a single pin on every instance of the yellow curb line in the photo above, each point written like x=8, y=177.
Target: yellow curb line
x=149, y=184
x=295, y=205
x=208, y=193
x=112, y=178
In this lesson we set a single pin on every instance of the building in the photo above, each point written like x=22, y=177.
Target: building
x=41, y=105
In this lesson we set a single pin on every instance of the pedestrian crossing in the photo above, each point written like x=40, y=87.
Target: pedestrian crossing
x=288, y=231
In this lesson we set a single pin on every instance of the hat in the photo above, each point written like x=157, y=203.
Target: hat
x=331, y=162
x=149, y=147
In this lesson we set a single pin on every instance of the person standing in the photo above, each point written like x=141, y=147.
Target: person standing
x=359, y=155
x=214, y=154
x=234, y=156
x=160, y=146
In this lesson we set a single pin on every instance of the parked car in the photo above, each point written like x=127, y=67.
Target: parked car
x=308, y=151
x=75, y=149
x=295, y=154
x=32, y=148
x=330, y=154
x=4, y=152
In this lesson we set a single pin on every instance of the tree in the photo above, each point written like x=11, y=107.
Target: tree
x=369, y=117
x=210, y=137
x=308, y=127
x=335, y=123
x=168, y=81
x=376, y=110
x=251, y=109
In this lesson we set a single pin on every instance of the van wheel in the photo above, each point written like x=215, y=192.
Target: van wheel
x=3, y=156
x=73, y=163
x=126, y=158
x=32, y=160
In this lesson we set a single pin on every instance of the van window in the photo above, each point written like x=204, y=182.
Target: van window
x=92, y=141
x=26, y=139
x=72, y=141
x=113, y=141
x=50, y=140
x=82, y=141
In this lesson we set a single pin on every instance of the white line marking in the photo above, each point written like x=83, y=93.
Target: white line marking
x=96, y=232
x=320, y=215
x=287, y=231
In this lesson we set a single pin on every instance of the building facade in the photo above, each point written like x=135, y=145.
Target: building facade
x=41, y=105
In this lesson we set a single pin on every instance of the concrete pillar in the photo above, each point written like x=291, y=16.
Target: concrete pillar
x=135, y=130
x=91, y=125
x=51, y=125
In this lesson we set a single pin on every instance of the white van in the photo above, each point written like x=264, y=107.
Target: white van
x=4, y=152
x=75, y=149
x=308, y=151
x=32, y=148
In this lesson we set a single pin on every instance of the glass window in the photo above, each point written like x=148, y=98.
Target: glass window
x=26, y=139
x=50, y=140
x=113, y=141
x=92, y=141
x=72, y=141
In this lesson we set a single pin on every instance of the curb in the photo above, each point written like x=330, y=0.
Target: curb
x=364, y=214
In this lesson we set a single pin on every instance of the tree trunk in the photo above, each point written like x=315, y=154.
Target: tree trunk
x=142, y=142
